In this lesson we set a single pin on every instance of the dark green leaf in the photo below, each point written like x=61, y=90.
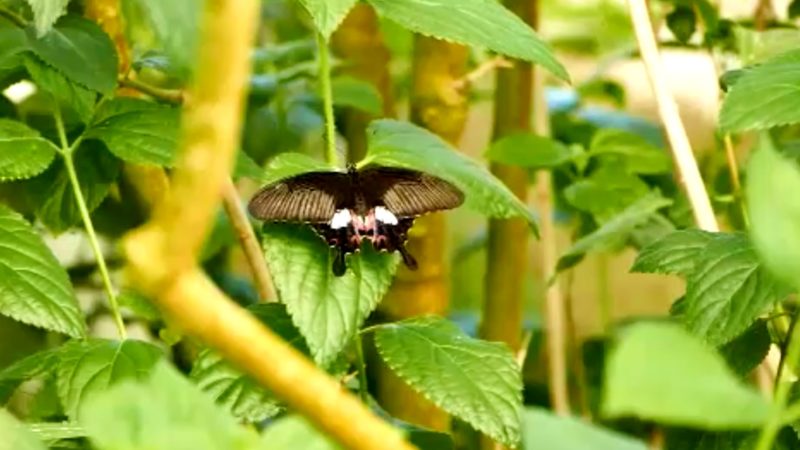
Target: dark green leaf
x=64, y=91
x=34, y=288
x=13, y=41
x=530, y=151
x=682, y=22
x=355, y=93
x=634, y=153
x=746, y=352
x=137, y=131
x=89, y=367
x=81, y=51
x=23, y=152
x=15, y=435
x=477, y=381
x=482, y=23
x=543, y=430
x=328, y=14
x=46, y=12
x=659, y=372
x=37, y=364
x=294, y=432
x=676, y=253
x=794, y=9
x=327, y=309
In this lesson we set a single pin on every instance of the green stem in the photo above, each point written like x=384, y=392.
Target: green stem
x=604, y=293
x=327, y=100
x=773, y=426
x=363, y=392
x=67, y=151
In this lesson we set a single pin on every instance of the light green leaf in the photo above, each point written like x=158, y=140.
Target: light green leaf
x=482, y=23
x=139, y=305
x=46, y=12
x=79, y=49
x=64, y=91
x=245, y=167
x=675, y=253
x=530, y=151
x=616, y=228
x=606, y=192
x=137, y=131
x=236, y=392
x=756, y=46
x=543, y=430
x=328, y=14
x=632, y=151
x=34, y=288
x=52, y=195
x=728, y=289
x=176, y=25
x=23, y=152
x=477, y=381
x=775, y=221
x=401, y=144
x=15, y=436
x=89, y=367
x=163, y=412
x=31, y=366
x=355, y=93
x=287, y=165
x=54, y=431
x=659, y=372
x=294, y=432
x=327, y=309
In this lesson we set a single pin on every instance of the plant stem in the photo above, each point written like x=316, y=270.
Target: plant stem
x=606, y=302
x=327, y=100
x=174, y=96
x=67, y=151
x=363, y=390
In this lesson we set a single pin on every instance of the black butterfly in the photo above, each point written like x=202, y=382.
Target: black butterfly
x=377, y=204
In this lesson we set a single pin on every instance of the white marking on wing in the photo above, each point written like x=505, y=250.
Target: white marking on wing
x=383, y=215
x=341, y=219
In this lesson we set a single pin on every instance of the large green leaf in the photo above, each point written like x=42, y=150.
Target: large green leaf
x=675, y=253
x=328, y=14
x=13, y=41
x=80, y=50
x=64, y=91
x=530, y=151
x=238, y=393
x=46, y=12
x=728, y=289
x=477, y=381
x=606, y=192
x=483, y=23
x=749, y=349
x=15, y=436
x=775, y=221
x=543, y=430
x=326, y=309
x=615, y=229
x=86, y=368
x=23, y=152
x=137, y=131
x=401, y=144
x=355, y=93
x=51, y=192
x=294, y=432
x=31, y=366
x=635, y=153
x=34, y=288
x=287, y=165
x=659, y=372
x=176, y=25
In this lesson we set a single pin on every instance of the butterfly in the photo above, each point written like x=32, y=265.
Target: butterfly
x=374, y=204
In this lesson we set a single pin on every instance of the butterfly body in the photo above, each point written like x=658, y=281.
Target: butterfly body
x=377, y=205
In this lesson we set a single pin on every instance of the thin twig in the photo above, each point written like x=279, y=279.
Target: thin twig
x=736, y=183
x=175, y=96
x=682, y=154
x=479, y=72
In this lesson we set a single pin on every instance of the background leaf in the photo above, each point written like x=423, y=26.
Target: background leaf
x=46, y=12
x=34, y=288
x=287, y=165
x=39, y=363
x=477, y=381
x=543, y=430
x=482, y=23
x=327, y=14
x=23, y=152
x=326, y=309
x=675, y=253
x=746, y=352
x=529, y=151
x=15, y=435
x=65, y=92
x=659, y=372
x=349, y=91
x=176, y=24
x=294, y=432
x=606, y=192
x=632, y=151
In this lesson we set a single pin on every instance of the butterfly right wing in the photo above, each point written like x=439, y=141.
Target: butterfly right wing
x=310, y=197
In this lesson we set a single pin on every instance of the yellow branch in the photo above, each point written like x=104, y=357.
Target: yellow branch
x=162, y=254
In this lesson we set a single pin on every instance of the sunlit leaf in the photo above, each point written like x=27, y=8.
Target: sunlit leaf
x=15, y=435
x=543, y=430
x=328, y=14
x=675, y=253
x=23, y=152
x=529, y=151
x=352, y=92
x=46, y=12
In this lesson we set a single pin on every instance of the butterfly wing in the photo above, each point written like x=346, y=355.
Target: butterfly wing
x=408, y=193
x=310, y=197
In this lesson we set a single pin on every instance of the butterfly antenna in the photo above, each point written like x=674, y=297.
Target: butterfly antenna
x=409, y=260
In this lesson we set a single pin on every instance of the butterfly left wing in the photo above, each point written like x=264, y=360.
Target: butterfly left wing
x=310, y=197
x=408, y=193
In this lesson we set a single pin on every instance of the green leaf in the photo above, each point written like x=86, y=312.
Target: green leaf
x=764, y=96
x=64, y=91
x=482, y=23
x=163, y=412
x=79, y=49
x=176, y=25
x=13, y=41
x=245, y=167
x=54, y=431
x=616, y=228
x=675, y=253
x=236, y=392
x=34, y=288
x=659, y=372
x=328, y=310
x=15, y=435
x=328, y=14
x=775, y=222
x=606, y=192
x=137, y=131
x=682, y=22
x=37, y=364
x=530, y=151
x=287, y=165
x=23, y=152
x=728, y=289
x=746, y=352
x=138, y=304
x=294, y=432
x=635, y=153
x=477, y=381
x=355, y=93
x=89, y=367
x=543, y=430
x=51, y=192
x=401, y=144
x=45, y=14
